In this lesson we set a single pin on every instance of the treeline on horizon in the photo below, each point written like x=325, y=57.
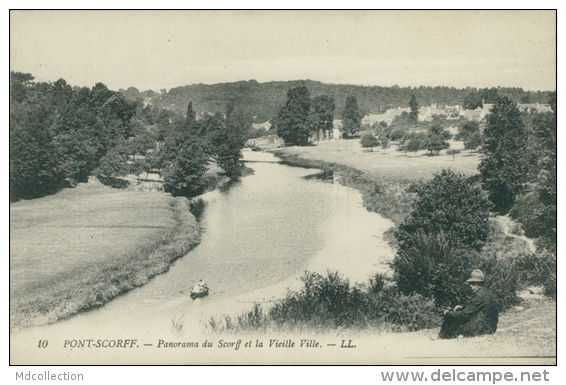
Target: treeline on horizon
x=60, y=135
x=263, y=100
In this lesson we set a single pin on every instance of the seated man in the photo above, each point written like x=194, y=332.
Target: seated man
x=479, y=316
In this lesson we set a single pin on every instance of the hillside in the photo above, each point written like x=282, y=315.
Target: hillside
x=263, y=100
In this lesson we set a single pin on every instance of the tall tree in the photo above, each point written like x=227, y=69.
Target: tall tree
x=437, y=138
x=352, y=116
x=504, y=167
x=466, y=130
x=227, y=138
x=291, y=122
x=322, y=107
x=184, y=159
x=414, y=114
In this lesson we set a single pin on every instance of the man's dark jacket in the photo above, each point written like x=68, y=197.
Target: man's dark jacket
x=479, y=316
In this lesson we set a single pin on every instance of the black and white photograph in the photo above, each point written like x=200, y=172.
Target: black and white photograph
x=283, y=187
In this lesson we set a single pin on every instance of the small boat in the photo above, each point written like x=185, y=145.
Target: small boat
x=199, y=292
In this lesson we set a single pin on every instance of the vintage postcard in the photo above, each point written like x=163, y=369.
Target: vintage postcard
x=283, y=187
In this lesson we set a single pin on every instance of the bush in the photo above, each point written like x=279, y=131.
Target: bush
x=449, y=203
x=433, y=267
x=368, y=140
x=502, y=279
x=529, y=211
x=412, y=312
x=330, y=302
x=324, y=301
x=537, y=270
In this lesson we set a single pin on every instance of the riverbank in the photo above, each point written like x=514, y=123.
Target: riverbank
x=82, y=247
x=386, y=196
x=382, y=176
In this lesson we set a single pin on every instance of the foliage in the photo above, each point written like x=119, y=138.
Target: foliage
x=414, y=114
x=434, y=267
x=352, y=116
x=537, y=270
x=184, y=158
x=114, y=163
x=416, y=142
x=331, y=302
x=476, y=98
x=385, y=141
x=322, y=115
x=473, y=141
x=449, y=203
x=369, y=140
x=437, y=136
x=226, y=138
x=292, y=120
x=504, y=167
x=409, y=312
x=467, y=130
x=502, y=279
x=452, y=152
x=59, y=134
x=263, y=100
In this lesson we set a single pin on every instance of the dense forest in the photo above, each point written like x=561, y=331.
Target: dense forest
x=263, y=100
x=60, y=135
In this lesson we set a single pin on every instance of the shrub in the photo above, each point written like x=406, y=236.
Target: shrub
x=502, y=279
x=330, y=302
x=529, y=211
x=434, y=268
x=449, y=203
x=377, y=283
x=412, y=312
x=538, y=270
x=368, y=140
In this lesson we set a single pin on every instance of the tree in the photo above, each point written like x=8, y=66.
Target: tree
x=352, y=116
x=291, y=122
x=413, y=145
x=473, y=141
x=504, y=167
x=19, y=85
x=451, y=203
x=414, y=114
x=438, y=241
x=114, y=163
x=191, y=120
x=452, y=152
x=436, y=139
x=368, y=140
x=184, y=161
x=473, y=100
x=385, y=141
x=227, y=138
x=322, y=110
x=466, y=130
x=536, y=208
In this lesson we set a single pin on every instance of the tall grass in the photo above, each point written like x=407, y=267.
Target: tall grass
x=330, y=302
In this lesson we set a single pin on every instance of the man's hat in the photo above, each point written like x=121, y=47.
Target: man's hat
x=477, y=276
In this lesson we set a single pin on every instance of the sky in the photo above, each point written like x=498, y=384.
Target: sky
x=165, y=49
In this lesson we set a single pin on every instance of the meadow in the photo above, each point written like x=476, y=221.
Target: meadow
x=389, y=163
x=84, y=246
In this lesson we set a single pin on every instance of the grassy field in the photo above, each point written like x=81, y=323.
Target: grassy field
x=390, y=163
x=84, y=246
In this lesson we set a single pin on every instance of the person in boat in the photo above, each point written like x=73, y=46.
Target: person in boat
x=479, y=316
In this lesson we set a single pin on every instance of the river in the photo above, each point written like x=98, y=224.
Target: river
x=260, y=234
